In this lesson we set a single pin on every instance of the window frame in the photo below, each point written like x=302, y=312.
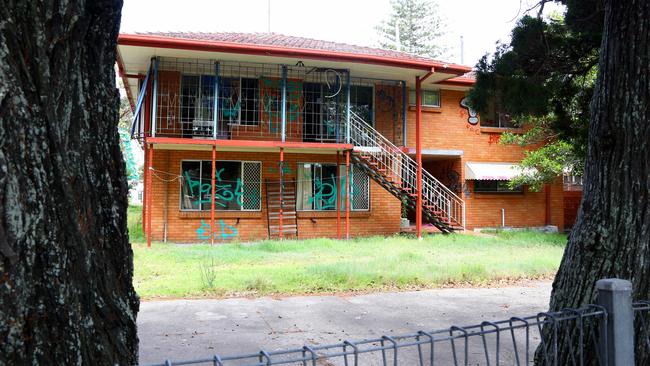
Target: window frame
x=200, y=161
x=374, y=104
x=299, y=196
x=497, y=191
x=423, y=91
x=256, y=100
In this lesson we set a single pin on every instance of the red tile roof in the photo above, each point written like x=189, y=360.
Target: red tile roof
x=278, y=43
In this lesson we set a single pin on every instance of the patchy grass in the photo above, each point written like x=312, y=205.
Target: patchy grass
x=327, y=265
x=134, y=223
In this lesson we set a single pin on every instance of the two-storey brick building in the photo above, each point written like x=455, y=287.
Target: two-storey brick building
x=249, y=136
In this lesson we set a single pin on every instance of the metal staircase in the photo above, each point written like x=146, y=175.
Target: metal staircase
x=281, y=209
x=395, y=171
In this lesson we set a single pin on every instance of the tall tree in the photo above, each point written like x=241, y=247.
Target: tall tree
x=611, y=237
x=544, y=79
x=419, y=26
x=66, y=267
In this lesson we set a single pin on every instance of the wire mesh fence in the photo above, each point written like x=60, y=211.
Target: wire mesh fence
x=210, y=99
x=507, y=342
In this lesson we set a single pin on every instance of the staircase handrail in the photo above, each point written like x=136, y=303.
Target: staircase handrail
x=430, y=185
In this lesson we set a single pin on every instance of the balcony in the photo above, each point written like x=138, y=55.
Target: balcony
x=209, y=99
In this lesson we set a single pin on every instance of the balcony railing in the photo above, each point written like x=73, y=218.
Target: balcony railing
x=209, y=99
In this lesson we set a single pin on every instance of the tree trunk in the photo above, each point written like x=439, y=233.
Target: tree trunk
x=611, y=237
x=66, y=266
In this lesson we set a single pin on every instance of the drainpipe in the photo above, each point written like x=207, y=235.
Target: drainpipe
x=404, y=103
x=215, y=112
x=347, y=110
x=155, y=97
x=418, y=151
x=284, y=103
x=503, y=217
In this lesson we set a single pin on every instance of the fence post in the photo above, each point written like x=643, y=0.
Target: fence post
x=615, y=295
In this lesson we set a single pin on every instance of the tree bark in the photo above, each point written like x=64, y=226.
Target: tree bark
x=66, y=266
x=611, y=237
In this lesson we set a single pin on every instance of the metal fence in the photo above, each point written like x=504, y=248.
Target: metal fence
x=601, y=334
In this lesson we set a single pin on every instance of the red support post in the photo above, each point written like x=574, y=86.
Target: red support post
x=418, y=157
x=418, y=151
x=145, y=193
x=149, y=195
x=338, y=196
x=347, y=194
x=214, y=169
x=281, y=190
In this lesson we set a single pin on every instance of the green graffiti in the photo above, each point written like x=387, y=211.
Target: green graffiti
x=286, y=169
x=225, y=231
x=325, y=194
x=271, y=100
x=224, y=193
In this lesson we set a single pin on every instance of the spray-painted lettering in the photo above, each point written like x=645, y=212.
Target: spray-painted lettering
x=223, y=232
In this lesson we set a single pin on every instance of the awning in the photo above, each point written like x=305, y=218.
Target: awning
x=492, y=171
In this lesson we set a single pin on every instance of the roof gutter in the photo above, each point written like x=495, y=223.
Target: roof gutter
x=268, y=50
x=458, y=82
x=125, y=79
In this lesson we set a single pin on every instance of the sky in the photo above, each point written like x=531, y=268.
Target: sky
x=481, y=22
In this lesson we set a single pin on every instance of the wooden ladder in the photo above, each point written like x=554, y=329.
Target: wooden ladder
x=282, y=219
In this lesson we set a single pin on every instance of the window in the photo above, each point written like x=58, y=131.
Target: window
x=240, y=104
x=361, y=98
x=429, y=98
x=250, y=111
x=237, y=185
x=317, y=187
x=197, y=104
x=496, y=117
x=495, y=186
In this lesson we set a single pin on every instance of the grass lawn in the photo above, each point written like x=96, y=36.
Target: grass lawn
x=326, y=265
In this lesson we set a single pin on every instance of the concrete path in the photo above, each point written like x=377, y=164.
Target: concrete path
x=191, y=329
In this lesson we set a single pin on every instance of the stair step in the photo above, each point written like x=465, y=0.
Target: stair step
x=284, y=217
x=276, y=227
x=284, y=213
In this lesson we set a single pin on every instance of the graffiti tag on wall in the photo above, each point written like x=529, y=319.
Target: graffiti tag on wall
x=222, y=232
x=472, y=115
x=324, y=197
x=223, y=193
x=271, y=95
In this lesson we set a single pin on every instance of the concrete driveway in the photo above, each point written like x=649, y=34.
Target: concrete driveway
x=191, y=329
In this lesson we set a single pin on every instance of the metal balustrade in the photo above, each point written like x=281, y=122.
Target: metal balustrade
x=399, y=168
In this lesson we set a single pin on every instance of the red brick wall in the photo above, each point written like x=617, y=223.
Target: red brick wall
x=571, y=205
x=382, y=219
x=444, y=128
x=447, y=128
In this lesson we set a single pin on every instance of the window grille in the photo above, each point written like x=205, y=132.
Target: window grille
x=251, y=185
x=360, y=186
x=248, y=96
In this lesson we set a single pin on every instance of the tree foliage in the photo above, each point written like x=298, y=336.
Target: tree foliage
x=544, y=79
x=420, y=28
